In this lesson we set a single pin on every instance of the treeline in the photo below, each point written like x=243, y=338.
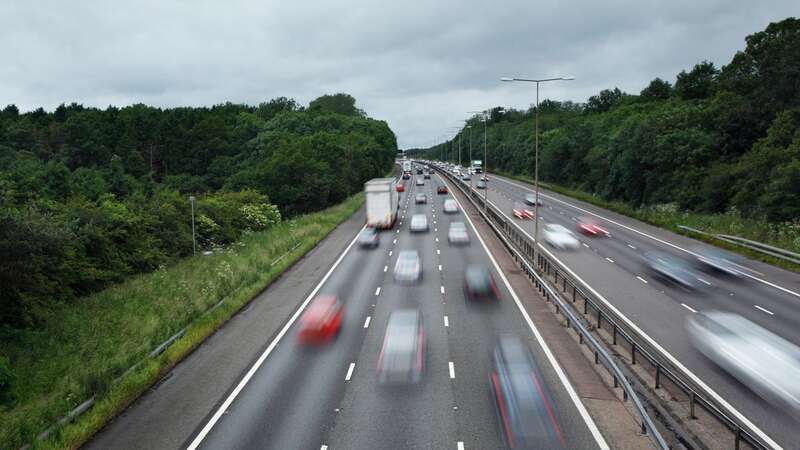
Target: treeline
x=715, y=140
x=90, y=196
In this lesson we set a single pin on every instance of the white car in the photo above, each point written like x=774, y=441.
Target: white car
x=420, y=182
x=408, y=268
x=419, y=223
x=450, y=206
x=457, y=234
x=560, y=237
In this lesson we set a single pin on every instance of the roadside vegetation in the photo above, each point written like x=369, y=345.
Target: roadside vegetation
x=717, y=149
x=78, y=349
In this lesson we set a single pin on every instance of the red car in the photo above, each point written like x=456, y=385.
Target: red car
x=442, y=189
x=401, y=187
x=322, y=320
x=589, y=227
x=522, y=213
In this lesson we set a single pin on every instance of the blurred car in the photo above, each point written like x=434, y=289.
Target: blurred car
x=408, y=267
x=530, y=199
x=421, y=198
x=406, y=176
x=427, y=176
x=480, y=185
x=521, y=398
x=321, y=321
x=401, y=187
x=671, y=268
x=419, y=223
x=466, y=177
x=402, y=356
x=521, y=212
x=761, y=360
x=718, y=261
x=419, y=170
x=442, y=189
x=420, y=182
x=479, y=283
x=484, y=178
x=457, y=233
x=368, y=238
x=590, y=227
x=450, y=206
x=560, y=237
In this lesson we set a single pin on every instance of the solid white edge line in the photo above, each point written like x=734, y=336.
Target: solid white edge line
x=452, y=369
x=232, y=396
x=688, y=307
x=366, y=322
x=761, y=280
x=765, y=310
x=598, y=437
x=654, y=344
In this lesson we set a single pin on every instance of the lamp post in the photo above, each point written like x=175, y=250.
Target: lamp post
x=194, y=241
x=536, y=158
x=485, y=116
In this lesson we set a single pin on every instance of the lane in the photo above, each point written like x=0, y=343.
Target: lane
x=292, y=397
x=660, y=310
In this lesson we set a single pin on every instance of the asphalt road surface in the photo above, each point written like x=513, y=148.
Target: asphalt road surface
x=329, y=397
x=613, y=267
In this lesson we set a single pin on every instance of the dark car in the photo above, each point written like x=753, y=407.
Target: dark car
x=368, y=238
x=406, y=175
x=419, y=171
x=442, y=189
x=321, y=321
x=530, y=199
x=479, y=283
x=427, y=176
x=402, y=356
x=671, y=268
x=521, y=398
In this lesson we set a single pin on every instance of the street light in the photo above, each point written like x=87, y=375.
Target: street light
x=536, y=163
x=194, y=241
x=485, y=116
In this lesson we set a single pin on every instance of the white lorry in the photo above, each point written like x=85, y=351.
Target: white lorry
x=383, y=201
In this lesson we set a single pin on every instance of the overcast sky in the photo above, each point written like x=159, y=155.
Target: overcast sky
x=418, y=65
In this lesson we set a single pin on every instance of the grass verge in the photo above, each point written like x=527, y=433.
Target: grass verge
x=783, y=235
x=82, y=347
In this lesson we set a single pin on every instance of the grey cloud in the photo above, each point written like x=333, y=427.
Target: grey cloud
x=418, y=65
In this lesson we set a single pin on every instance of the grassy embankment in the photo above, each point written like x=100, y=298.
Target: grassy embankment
x=781, y=235
x=82, y=347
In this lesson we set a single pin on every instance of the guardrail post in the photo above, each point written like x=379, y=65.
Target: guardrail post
x=596, y=357
x=614, y=335
x=691, y=406
x=599, y=319
x=573, y=294
x=658, y=375
x=556, y=275
x=585, y=305
x=564, y=289
x=580, y=338
x=737, y=439
x=616, y=382
x=633, y=354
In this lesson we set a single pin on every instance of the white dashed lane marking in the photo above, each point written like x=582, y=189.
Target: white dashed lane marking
x=350, y=371
x=378, y=291
x=629, y=245
x=442, y=289
x=688, y=307
x=452, y=369
x=641, y=279
x=366, y=322
x=385, y=269
x=446, y=322
x=765, y=310
x=609, y=260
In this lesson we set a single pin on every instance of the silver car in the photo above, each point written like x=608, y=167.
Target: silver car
x=402, y=356
x=450, y=206
x=408, y=268
x=457, y=234
x=560, y=237
x=419, y=223
x=761, y=360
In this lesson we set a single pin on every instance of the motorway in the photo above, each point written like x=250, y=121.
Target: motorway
x=613, y=268
x=328, y=397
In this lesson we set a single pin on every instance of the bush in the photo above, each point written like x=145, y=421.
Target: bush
x=6, y=382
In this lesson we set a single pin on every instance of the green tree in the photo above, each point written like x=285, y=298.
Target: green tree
x=699, y=83
x=340, y=103
x=658, y=89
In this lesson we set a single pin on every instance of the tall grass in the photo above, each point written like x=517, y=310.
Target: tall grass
x=81, y=347
x=784, y=235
